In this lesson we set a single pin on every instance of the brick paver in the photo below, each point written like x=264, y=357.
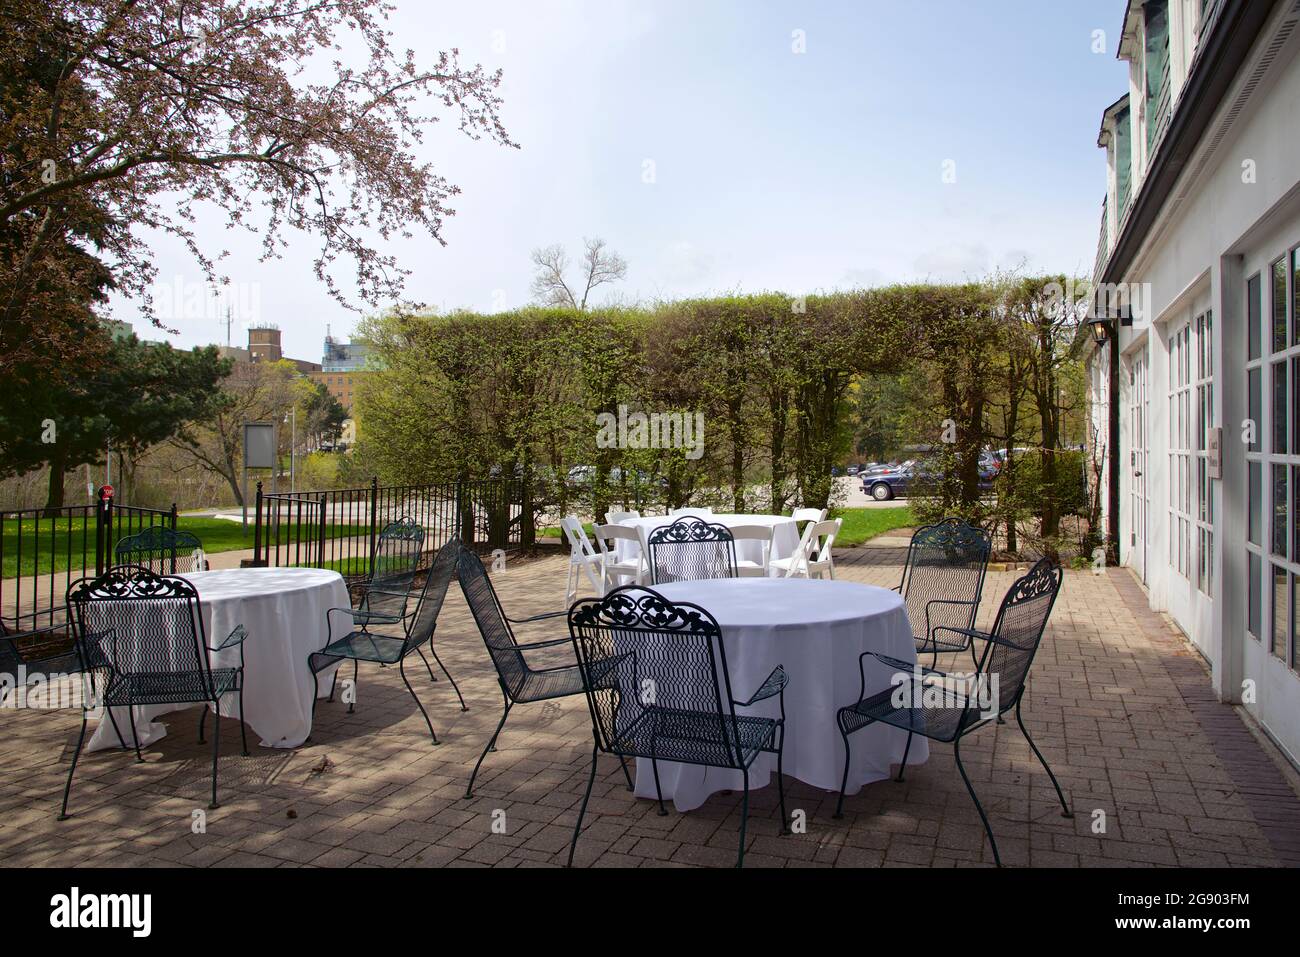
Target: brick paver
x=1157, y=771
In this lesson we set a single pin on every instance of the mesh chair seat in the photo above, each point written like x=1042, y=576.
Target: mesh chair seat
x=366, y=646
x=938, y=724
x=549, y=683
x=697, y=737
x=172, y=687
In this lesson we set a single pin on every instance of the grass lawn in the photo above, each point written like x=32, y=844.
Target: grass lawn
x=863, y=524
x=52, y=547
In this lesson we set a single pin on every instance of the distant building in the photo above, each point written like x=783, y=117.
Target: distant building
x=343, y=365
x=264, y=345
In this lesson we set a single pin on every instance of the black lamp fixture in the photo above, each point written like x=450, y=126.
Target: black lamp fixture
x=1101, y=329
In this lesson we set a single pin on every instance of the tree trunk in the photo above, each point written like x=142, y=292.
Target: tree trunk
x=54, y=497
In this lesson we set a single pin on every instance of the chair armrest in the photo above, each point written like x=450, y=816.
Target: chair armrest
x=898, y=663
x=551, y=643
x=968, y=632
x=236, y=637
x=543, y=616
x=773, y=684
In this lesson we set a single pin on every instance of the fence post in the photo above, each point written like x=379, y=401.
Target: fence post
x=257, y=528
x=374, y=520
x=103, y=525
x=320, y=534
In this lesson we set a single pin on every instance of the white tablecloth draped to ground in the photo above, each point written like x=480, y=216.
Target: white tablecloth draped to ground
x=785, y=534
x=817, y=630
x=284, y=612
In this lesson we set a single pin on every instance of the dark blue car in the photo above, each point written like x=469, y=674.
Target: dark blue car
x=896, y=482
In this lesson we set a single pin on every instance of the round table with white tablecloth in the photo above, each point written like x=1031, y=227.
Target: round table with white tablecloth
x=785, y=534
x=283, y=610
x=816, y=630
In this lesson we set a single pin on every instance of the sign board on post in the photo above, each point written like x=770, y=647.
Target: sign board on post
x=259, y=452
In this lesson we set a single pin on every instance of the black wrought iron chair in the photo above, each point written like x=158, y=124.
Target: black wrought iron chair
x=956, y=705
x=691, y=549
x=162, y=550
x=50, y=653
x=519, y=681
x=362, y=644
x=388, y=591
x=145, y=633
x=655, y=675
x=943, y=579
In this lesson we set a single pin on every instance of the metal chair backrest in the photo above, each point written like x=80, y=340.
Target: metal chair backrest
x=1019, y=628
x=488, y=614
x=946, y=562
x=643, y=659
x=146, y=624
x=161, y=549
x=397, y=559
x=691, y=549
x=427, y=607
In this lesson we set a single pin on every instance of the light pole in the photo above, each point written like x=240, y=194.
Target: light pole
x=292, y=419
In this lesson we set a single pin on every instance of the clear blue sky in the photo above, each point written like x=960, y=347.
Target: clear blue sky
x=774, y=170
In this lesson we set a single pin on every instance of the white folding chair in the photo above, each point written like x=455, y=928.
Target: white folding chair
x=797, y=564
x=618, y=518
x=813, y=515
x=746, y=567
x=820, y=563
x=679, y=512
x=616, y=571
x=583, y=559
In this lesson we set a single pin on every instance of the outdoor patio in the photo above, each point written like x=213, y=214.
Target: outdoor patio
x=1158, y=773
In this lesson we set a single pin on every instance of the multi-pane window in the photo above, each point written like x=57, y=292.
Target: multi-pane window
x=1180, y=451
x=1204, y=424
x=1273, y=458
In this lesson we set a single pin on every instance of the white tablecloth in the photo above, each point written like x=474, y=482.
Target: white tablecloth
x=817, y=629
x=785, y=534
x=284, y=612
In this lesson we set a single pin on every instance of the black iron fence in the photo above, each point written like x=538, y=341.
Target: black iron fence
x=42, y=550
x=340, y=528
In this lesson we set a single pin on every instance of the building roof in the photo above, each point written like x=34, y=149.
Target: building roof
x=1109, y=114
x=1229, y=34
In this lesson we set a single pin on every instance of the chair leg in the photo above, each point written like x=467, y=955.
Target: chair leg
x=112, y=719
x=243, y=733
x=67, y=788
x=135, y=735
x=902, y=766
x=352, y=705
x=654, y=766
x=427, y=666
x=333, y=684
x=1065, y=808
x=956, y=750
x=469, y=789
x=582, y=811
x=626, y=775
x=780, y=782
x=744, y=817
x=216, y=752
x=203, y=720
x=401, y=670
x=844, y=781
x=455, y=687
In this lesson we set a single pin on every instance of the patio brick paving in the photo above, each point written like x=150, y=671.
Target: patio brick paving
x=1118, y=702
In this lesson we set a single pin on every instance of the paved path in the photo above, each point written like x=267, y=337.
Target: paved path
x=1157, y=771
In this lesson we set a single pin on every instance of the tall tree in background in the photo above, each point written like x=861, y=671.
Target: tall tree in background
x=138, y=394
x=122, y=114
x=599, y=265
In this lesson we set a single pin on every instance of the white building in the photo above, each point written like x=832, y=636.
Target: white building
x=1200, y=231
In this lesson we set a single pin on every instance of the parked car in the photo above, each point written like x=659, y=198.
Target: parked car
x=852, y=470
x=898, y=481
